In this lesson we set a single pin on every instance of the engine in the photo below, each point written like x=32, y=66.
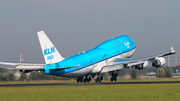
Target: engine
x=141, y=66
x=25, y=71
x=158, y=62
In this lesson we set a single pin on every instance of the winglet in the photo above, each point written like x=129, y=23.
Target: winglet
x=172, y=50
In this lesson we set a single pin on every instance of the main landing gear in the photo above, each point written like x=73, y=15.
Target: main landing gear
x=114, y=76
x=88, y=79
x=99, y=79
x=82, y=79
x=79, y=79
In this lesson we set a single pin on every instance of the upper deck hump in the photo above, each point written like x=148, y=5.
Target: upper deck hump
x=111, y=42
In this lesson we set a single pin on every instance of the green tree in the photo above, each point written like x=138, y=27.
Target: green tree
x=7, y=76
x=3, y=75
x=23, y=76
x=11, y=76
x=2, y=78
x=160, y=73
x=134, y=73
x=35, y=75
x=168, y=71
x=43, y=76
x=2, y=70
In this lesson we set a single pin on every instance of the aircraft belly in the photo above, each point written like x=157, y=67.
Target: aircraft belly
x=79, y=73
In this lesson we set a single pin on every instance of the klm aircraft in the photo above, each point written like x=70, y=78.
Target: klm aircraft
x=110, y=56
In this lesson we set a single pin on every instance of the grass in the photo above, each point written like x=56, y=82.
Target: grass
x=38, y=82
x=93, y=81
x=126, y=92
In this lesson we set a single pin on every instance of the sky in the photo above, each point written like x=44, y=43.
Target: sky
x=78, y=25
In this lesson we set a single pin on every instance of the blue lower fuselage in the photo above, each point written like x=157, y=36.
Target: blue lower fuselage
x=79, y=62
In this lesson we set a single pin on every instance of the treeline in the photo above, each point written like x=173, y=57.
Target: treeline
x=164, y=72
x=9, y=75
x=167, y=71
x=176, y=68
x=160, y=72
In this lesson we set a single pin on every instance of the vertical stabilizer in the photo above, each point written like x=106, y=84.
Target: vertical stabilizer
x=51, y=55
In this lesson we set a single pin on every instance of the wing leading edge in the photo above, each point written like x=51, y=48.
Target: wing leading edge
x=119, y=63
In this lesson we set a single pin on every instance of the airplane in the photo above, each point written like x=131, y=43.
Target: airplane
x=109, y=56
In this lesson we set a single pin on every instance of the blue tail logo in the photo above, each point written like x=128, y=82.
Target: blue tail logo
x=49, y=51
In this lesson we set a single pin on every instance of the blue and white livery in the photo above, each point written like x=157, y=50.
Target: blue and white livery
x=110, y=56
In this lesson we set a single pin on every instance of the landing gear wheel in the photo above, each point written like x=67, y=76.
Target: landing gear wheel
x=77, y=80
x=84, y=80
x=115, y=75
x=96, y=80
x=115, y=79
x=111, y=79
x=89, y=79
x=101, y=78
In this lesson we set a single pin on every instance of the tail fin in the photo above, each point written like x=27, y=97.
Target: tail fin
x=51, y=55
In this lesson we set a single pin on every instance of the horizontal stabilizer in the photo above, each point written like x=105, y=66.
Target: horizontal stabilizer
x=20, y=64
x=24, y=66
x=32, y=69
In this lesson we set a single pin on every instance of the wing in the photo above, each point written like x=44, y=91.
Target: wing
x=24, y=66
x=138, y=63
x=31, y=67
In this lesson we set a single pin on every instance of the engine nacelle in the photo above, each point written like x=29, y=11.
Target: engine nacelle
x=25, y=71
x=141, y=66
x=158, y=62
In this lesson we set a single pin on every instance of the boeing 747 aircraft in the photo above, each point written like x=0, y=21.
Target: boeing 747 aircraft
x=110, y=56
